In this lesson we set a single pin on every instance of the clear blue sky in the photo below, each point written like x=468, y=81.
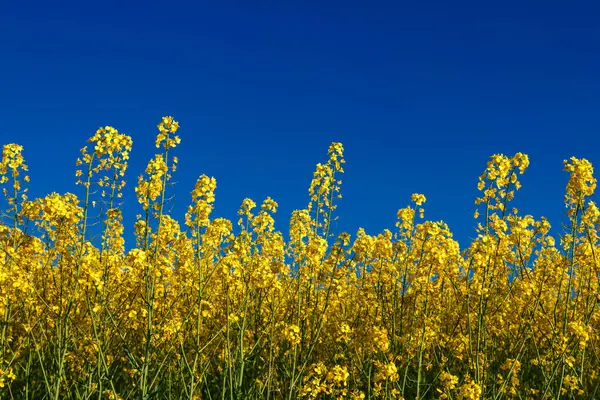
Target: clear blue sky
x=420, y=93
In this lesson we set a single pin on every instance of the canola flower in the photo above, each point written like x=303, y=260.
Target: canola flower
x=208, y=308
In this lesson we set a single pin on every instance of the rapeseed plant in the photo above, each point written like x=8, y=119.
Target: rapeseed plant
x=210, y=309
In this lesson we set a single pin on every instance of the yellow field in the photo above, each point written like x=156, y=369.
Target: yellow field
x=205, y=310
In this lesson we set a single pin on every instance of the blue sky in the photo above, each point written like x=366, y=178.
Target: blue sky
x=420, y=94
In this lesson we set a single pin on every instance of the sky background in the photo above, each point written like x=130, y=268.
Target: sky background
x=420, y=93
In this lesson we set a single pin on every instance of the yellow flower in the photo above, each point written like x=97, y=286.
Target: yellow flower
x=418, y=199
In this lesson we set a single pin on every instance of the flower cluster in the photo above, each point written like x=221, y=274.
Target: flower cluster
x=210, y=309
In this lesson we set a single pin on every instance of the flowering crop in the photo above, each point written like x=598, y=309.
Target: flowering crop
x=215, y=309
